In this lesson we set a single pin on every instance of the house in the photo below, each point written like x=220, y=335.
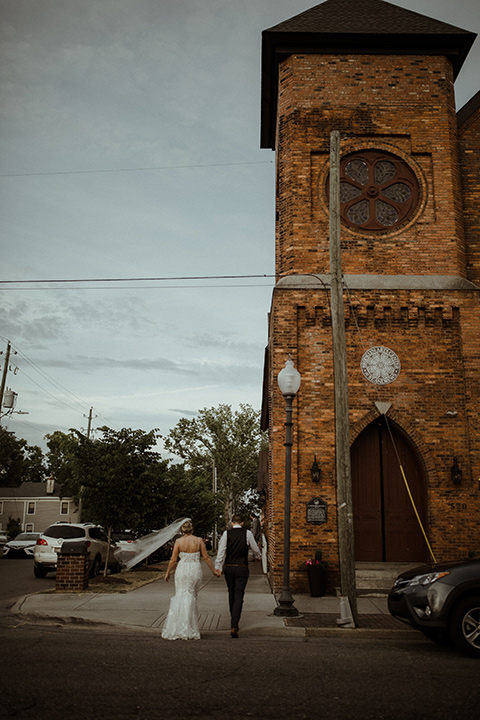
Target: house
x=36, y=505
x=410, y=246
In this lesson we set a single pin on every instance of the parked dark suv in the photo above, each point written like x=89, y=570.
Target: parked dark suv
x=442, y=601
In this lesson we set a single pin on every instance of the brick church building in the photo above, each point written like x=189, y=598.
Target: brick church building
x=410, y=246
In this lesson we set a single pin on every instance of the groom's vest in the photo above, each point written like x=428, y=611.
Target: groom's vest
x=237, y=547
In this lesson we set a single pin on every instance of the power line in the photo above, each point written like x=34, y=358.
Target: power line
x=135, y=287
x=135, y=169
x=137, y=279
x=58, y=386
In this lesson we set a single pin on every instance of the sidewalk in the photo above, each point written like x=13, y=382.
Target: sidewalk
x=147, y=607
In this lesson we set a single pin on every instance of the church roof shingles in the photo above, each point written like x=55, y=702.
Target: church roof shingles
x=364, y=26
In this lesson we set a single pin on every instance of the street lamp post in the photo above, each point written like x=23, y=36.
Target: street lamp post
x=289, y=382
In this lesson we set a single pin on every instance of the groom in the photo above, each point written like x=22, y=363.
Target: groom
x=233, y=556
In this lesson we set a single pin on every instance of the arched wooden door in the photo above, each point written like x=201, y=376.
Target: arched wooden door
x=385, y=526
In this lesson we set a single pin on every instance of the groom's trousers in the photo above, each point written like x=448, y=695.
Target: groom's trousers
x=236, y=577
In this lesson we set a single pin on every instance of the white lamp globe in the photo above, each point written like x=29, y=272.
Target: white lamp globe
x=289, y=379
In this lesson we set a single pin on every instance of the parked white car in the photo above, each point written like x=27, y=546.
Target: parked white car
x=50, y=543
x=22, y=545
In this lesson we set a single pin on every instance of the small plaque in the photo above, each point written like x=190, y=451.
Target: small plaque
x=317, y=511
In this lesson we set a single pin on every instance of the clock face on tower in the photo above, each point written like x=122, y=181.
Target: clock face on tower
x=378, y=191
x=380, y=365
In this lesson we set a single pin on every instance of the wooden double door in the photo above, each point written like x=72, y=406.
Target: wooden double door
x=385, y=525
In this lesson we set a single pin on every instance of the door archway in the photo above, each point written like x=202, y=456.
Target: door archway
x=385, y=526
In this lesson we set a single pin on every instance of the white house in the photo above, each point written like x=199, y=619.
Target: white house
x=36, y=505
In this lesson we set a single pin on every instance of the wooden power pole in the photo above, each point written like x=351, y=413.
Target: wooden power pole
x=4, y=376
x=342, y=428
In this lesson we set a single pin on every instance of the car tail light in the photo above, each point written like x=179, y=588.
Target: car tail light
x=41, y=541
x=88, y=543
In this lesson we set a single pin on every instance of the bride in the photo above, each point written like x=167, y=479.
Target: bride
x=182, y=619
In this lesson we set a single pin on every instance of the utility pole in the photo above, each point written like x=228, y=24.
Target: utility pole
x=4, y=375
x=89, y=426
x=342, y=429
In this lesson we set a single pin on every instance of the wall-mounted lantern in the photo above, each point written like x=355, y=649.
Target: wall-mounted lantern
x=315, y=471
x=455, y=472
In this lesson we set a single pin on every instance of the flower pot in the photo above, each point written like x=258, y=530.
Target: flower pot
x=317, y=580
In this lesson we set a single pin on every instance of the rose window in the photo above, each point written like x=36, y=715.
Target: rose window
x=378, y=191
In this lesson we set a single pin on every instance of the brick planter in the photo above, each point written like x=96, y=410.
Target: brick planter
x=72, y=571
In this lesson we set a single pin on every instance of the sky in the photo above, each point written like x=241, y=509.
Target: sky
x=129, y=139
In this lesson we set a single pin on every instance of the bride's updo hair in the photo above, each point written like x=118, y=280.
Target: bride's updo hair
x=187, y=527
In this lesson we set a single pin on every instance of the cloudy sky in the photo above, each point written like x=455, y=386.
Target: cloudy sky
x=129, y=137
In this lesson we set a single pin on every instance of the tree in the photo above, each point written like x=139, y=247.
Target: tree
x=121, y=482
x=227, y=441
x=119, y=478
x=190, y=495
x=61, y=455
x=19, y=462
x=14, y=527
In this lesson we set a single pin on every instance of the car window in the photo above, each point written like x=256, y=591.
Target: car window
x=97, y=533
x=65, y=532
x=27, y=536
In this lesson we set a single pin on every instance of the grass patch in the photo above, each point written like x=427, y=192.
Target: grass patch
x=125, y=581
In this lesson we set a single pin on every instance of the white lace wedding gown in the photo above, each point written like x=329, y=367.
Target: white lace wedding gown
x=182, y=618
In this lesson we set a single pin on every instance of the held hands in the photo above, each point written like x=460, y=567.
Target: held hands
x=217, y=573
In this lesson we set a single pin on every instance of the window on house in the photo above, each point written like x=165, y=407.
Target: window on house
x=31, y=508
x=64, y=508
x=29, y=527
x=1, y=507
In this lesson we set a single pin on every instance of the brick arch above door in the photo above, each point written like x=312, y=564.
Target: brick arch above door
x=386, y=528
x=408, y=429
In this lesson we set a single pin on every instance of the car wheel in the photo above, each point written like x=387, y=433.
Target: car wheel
x=465, y=626
x=95, y=569
x=39, y=571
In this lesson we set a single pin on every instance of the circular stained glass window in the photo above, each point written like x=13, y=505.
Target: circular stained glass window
x=378, y=190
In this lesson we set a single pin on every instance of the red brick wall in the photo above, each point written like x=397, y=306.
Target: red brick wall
x=403, y=105
x=72, y=573
x=469, y=135
x=436, y=342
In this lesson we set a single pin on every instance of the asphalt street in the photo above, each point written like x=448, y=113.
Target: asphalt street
x=53, y=672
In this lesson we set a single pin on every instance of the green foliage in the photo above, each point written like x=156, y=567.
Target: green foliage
x=190, y=495
x=227, y=441
x=121, y=482
x=119, y=478
x=14, y=527
x=19, y=462
x=62, y=456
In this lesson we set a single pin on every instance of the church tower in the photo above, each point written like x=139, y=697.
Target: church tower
x=410, y=243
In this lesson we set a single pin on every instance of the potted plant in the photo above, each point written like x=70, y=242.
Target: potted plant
x=317, y=574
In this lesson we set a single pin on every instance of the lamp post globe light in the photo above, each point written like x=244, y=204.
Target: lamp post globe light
x=289, y=382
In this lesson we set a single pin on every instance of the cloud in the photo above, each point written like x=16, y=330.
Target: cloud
x=178, y=411
x=38, y=320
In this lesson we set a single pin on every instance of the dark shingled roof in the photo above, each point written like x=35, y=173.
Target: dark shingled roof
x=354, y=26
x=30, y=489
x=363, y=16
x=468, y=109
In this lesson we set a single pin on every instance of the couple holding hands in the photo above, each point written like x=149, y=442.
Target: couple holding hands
x=232, y=556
